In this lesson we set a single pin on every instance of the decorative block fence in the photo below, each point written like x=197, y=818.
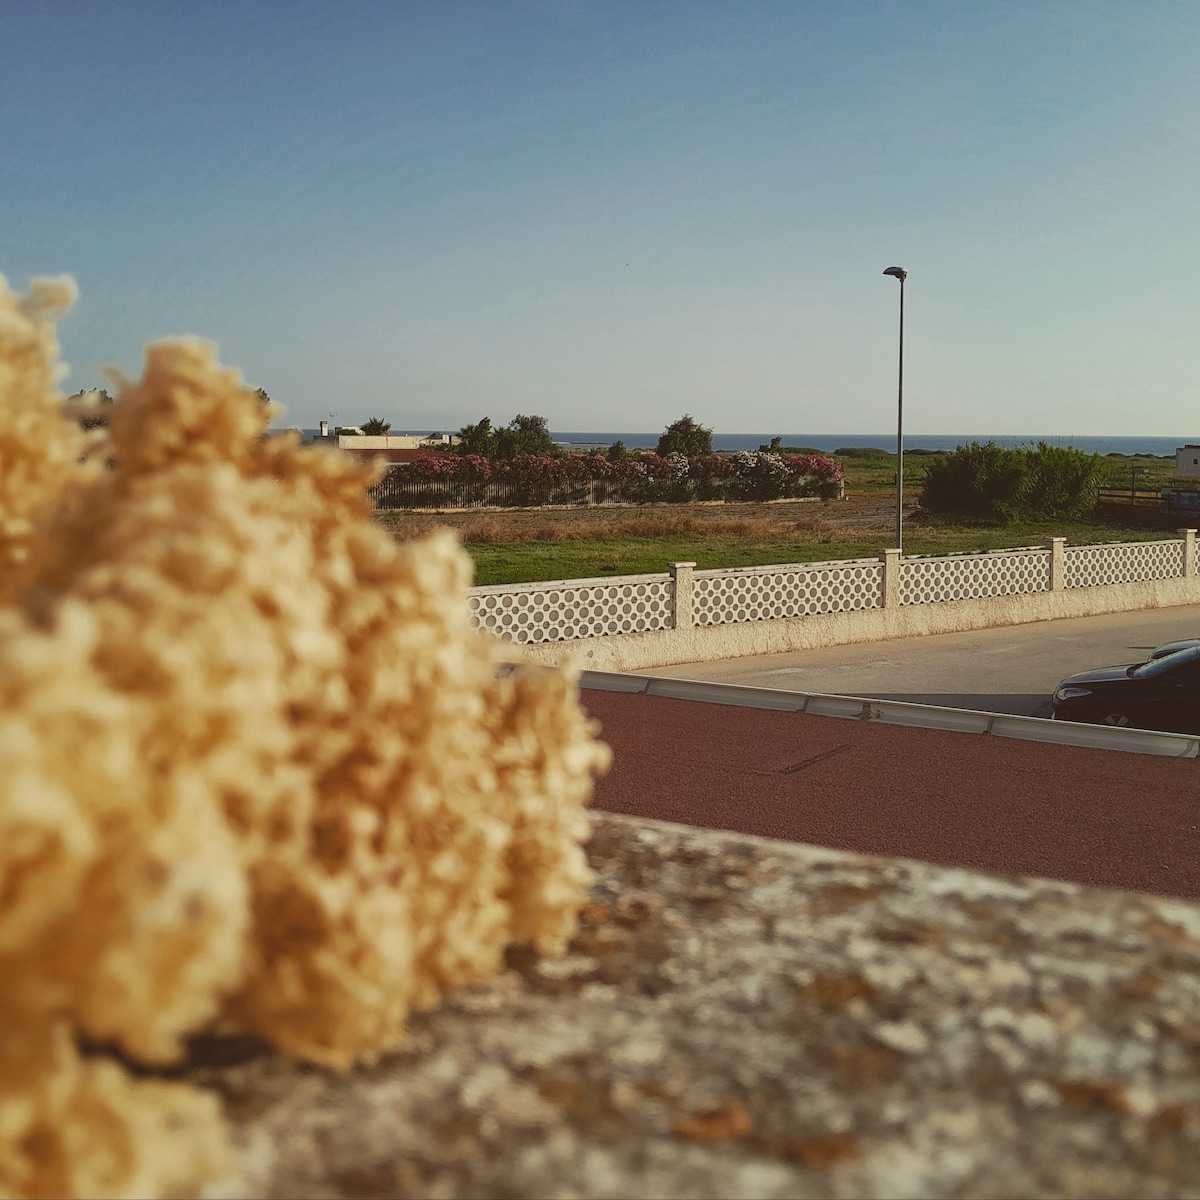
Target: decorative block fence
x=685, y=615
x=558, y=612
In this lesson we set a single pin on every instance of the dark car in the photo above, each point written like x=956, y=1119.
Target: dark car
x=1173, y=647
x=1163, y=693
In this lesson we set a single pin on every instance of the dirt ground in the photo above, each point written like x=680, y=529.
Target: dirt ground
x=861, y=512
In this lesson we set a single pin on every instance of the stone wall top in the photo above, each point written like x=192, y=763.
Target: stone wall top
x=755, y=1018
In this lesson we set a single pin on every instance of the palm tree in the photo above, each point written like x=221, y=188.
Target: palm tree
x=376, y=427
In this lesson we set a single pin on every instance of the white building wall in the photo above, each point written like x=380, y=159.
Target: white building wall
x=391, y=441
x=1187, y=460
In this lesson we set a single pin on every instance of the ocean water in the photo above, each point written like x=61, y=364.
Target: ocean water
x=828, y=442
x=1163, y=447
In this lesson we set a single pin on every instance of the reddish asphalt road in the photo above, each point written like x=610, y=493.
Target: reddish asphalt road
x=995, y=804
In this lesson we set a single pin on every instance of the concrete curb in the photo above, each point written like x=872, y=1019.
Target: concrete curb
x=899, y=712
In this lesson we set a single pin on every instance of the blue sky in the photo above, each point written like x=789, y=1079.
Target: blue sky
x=610, y=214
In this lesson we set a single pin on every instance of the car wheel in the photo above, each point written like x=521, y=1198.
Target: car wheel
x=1118, y=720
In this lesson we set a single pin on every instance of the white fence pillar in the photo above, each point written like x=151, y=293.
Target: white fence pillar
x=1189, y=552
x=1058, y=557
x=891, y=560
x=685, y=583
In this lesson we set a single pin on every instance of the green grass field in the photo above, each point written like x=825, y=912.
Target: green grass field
x=527, y=562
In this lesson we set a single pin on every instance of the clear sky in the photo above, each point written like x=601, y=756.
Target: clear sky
x=610, y=214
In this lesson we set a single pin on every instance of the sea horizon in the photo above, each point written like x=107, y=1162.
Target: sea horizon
x=827, y=443
x=1163, y=447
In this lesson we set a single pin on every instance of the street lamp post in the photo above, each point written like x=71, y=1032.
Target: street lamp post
x=901, y=274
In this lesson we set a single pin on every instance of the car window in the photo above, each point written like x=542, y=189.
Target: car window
x=1185, y=661
x=1173, y=647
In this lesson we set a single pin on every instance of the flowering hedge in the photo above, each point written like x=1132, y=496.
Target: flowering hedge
x=462, y=468
x=761, y=475
x=530, y=479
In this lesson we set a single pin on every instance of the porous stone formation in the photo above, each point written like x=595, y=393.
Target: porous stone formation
x=256, y=770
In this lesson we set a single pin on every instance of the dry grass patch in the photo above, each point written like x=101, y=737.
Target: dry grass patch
x=573, y=525
x=494, y=529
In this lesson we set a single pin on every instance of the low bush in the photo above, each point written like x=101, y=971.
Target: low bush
x=994, y=483
x=1059, y=481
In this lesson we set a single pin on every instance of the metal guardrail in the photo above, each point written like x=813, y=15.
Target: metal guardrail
x=901, y=712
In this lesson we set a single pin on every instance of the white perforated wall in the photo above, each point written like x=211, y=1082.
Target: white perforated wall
x=1123, y=562
x=765, y=593
x=973, y=576
x=587, y=608
x=561, y=611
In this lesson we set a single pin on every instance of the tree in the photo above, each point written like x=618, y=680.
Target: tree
x=522, y=435
x=94, y=420
x=479, y=439
x=617, y=451
x=532, y=435
x=685, y=437
x=508, y=445
x=376, y=427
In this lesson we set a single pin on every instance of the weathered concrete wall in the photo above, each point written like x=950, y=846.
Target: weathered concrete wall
x=740, y=1017
x=631, y=652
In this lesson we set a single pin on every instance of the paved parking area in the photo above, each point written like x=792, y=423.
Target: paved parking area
x=1012, y=669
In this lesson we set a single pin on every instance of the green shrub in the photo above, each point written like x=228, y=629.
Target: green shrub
x=991, y=483
x=1059, y=482
x=687, y=437
x=522, y=435
x=976, y=482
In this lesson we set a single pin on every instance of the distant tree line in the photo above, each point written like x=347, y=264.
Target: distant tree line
x=522, y=435
x=531, y=435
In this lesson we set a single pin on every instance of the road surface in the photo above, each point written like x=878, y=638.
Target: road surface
x=1014, y=669
x=1098, y=817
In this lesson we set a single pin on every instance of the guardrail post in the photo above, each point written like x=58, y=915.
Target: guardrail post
x=1189, y=552
x=1058, y=557
x=685, y=582
x=891, y=577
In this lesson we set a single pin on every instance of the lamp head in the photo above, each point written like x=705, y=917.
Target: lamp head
x=899, y=272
